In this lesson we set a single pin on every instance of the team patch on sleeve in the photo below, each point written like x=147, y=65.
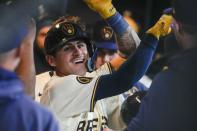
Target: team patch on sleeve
x=84, y=80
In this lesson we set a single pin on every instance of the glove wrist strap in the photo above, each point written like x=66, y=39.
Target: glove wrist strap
x=118, y=23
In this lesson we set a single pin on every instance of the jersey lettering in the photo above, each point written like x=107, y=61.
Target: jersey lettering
x=92, y=125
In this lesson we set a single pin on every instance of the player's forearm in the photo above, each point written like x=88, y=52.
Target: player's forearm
x=127, y=38
x=26, y=69
x=130, y=72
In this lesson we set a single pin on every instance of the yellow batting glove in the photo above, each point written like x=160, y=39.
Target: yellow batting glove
x=162, y=27
x=104, y=7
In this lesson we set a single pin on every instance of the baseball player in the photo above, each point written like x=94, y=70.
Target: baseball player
x=126, y=44
x=72, y=98
x=65, y=29
x=44, y=78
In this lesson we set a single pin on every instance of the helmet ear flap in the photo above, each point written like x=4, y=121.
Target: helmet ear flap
x=90, y=45
x=92, y=51
x=90, y=65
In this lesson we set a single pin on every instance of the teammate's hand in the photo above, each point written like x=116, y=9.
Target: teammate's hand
x=30, y=37
x=162, y=27
x=104, y=7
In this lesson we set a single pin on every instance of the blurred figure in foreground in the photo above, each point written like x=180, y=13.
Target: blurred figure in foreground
x=15, y=106
x=170, y=104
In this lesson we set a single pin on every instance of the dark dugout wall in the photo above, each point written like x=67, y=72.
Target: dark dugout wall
x=37, y=8
x=146, y=12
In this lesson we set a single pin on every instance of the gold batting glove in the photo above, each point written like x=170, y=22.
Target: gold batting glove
x=104, y=7
x=162, y=27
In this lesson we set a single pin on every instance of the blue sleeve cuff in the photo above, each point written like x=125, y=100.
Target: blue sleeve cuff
x=118, y=23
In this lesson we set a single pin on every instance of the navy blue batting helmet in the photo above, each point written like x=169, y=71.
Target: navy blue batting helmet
x=63, y=32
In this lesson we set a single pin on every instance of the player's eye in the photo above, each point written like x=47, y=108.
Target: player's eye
x=67, y=48
x=81, y=45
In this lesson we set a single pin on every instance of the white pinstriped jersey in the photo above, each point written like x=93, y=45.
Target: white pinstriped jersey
x=43, y=79
x=71, y=99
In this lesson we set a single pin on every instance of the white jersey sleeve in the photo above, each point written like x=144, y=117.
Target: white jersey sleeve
x=103, y=70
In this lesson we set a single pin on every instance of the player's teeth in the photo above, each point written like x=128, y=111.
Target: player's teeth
x=78, y=61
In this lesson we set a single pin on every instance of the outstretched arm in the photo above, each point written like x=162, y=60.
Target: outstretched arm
x=135, y=67
x=127, y=38
x=130, y=72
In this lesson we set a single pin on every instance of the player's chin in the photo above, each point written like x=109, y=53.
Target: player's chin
x=79, y=69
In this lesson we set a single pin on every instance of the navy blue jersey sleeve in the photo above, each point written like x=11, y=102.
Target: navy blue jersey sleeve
x=130, y=72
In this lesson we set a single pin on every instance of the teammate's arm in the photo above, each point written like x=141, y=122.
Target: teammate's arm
x=26, y=68
x=127, y=39
x=129, y=72
x=135, y=67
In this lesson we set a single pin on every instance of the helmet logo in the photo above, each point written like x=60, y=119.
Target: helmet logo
x=68, y=29
x=107, y=33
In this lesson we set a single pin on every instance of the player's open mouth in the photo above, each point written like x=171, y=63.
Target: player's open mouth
x=79, y=61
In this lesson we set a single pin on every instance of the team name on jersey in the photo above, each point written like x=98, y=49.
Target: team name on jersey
x=92, y=125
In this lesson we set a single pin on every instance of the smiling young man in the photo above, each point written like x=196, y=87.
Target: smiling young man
x=74, y=99
x=68, y=49
x=70, y=59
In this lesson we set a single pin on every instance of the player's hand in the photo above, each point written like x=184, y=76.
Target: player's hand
x=30, y=37
x=162, y=27
x=104, y=7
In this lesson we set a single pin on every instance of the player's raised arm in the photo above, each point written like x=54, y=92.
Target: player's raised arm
x=135, y=67
x=127, y=39
x=26, y=68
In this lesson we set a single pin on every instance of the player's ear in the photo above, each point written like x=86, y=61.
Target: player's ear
x=51, y=60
